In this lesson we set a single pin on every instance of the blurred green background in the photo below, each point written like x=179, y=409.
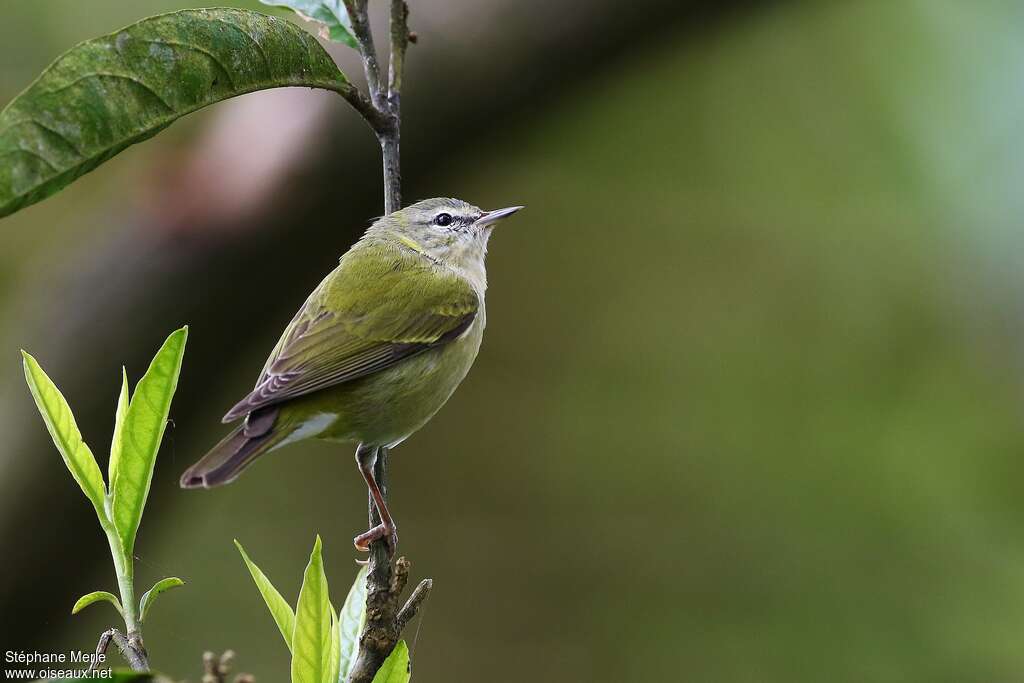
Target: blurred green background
x=749, y=403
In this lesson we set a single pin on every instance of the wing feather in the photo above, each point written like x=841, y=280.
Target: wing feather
x=402, y=305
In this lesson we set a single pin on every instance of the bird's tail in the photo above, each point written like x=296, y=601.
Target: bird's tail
x=234, y=453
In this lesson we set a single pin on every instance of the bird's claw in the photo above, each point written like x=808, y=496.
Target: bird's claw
x=388, y=533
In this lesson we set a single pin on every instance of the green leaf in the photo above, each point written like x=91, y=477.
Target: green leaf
x=311, y=641
x=159, y=587
x=60, y=422
x=111, y=92
x=330, y=14
x=115, y=443
x=140, y=437
x=279, y=608
x=395, y=668
x=97, y=596
x=351, y=622
x=334, y=658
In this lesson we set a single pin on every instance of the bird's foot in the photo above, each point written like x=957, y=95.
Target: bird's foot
x=388, y=532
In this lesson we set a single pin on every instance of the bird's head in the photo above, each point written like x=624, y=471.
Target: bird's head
x=447, y=230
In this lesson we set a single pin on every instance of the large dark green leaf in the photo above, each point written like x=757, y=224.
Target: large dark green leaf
x=111, y=92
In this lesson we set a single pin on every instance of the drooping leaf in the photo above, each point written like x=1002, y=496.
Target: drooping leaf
x=279, y=608
x=395, y=668
x=60, y=422
x=97, y=596
x=115, y=443
x=111, y=92
x=141, y=434
x=350, y=623
x=311, y=641
x=149, y=597
x=331, y=15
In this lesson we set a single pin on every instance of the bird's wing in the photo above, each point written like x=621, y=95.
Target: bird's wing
x=381, y=305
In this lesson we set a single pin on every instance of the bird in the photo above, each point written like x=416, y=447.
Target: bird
x=374, y=352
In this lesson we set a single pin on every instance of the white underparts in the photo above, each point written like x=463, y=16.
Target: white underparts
x=309, y=428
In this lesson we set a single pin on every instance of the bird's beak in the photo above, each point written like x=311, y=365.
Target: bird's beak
x=495, y=216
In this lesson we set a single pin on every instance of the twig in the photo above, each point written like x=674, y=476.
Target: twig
x=389, y=139
x=384, y=619
x=399, y=42
x=361, y=29
x=412, y=606
x=131, y=649
x=385, y=615
x=216, y=669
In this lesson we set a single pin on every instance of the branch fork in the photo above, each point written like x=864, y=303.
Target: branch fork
x=130, y=646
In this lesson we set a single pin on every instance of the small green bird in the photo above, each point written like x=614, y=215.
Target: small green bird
x=375, y=351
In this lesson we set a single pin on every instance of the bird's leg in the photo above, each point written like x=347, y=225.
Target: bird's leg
x=366, y=458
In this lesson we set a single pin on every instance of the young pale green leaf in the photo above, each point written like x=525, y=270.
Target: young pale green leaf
x=111, y=92
x=97, y=596
x=60, y=422
x=331, y=15
x=396, y=668
x=141, y=434
x=351, y=621
x=279, y=608
x=149, y=597
x=311, y=641
x=334, y=658
x=115, y=443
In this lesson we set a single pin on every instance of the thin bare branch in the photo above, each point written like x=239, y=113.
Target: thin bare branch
x=217, y=669
x=413, y=604
x=131, y=649
x=399, y=43
x=357, y=12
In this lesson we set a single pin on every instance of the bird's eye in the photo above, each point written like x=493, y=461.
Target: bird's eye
x=443, y=219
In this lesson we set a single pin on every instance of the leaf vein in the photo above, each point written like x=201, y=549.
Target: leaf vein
x=195, y=48
x=22, y=150
x=259, y=48
x=107, y=74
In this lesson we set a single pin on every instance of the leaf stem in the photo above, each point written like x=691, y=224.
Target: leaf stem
x=133, y=649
